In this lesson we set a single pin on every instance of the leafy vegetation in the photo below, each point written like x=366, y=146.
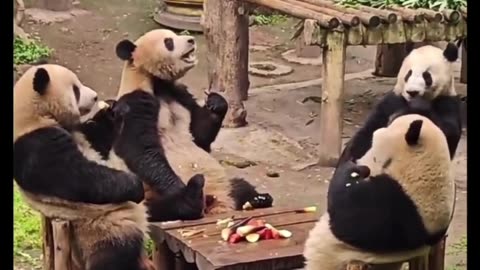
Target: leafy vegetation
x=26, y=230
x=430, y=4
x=25, y=52
x=274, y=19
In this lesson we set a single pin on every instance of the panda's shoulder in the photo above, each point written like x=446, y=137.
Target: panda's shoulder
x=44, y=136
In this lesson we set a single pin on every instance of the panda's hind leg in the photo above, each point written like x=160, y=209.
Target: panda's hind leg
x=118, y=254
x=242, y=192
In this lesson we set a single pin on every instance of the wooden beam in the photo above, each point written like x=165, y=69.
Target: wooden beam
x=324, y=20
x=331, y=111
x=162, y=257
x=436, y=259
x=419, y=263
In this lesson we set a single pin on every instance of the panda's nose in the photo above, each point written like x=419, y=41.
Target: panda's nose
x=413, y=93
x=191, y=41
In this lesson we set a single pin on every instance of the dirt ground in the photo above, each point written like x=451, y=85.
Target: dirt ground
x=284, y=128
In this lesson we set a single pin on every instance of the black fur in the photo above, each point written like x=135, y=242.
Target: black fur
x=385, y=218
x=179, y=206
x=169, y=44
x=41, y=81
x=100, y=130
x=451, y=52
x=118, y=254
x=427, y=77
x=205, y=121
x=48, y=162
x=139, y=146
x=124, y=49
x=242, y=192
x=444, y=111
x=413, y=133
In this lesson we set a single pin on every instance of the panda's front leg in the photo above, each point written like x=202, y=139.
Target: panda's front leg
x=217, y=105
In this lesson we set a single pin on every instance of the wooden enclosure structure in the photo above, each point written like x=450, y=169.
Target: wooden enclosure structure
x=330, y=26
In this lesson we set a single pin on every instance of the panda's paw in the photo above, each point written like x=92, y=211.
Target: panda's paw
x=193, y=200
x=216, y=104
x=262, y=200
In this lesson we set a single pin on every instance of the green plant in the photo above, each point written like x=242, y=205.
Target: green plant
x=273, y=19
x=430, y=4
x=26, y=230
x=25, y=52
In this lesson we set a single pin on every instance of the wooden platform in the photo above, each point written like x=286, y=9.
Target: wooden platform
x=208, y=251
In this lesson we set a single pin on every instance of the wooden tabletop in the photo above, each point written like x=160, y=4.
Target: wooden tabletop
x=209, y=252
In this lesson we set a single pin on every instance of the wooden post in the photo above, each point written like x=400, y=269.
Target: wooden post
x=463, y=70
x=54, y=5
x=436, y=260
x=331, y=111
x=61, y=239
x=226, y=31
x=418, y=263
x=388, y=59
x=162, y=257
x=48, y=244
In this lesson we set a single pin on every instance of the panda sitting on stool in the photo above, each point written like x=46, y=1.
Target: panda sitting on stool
x=393, y=204
x=166, y=133
x=57, y=180
x=426, y=73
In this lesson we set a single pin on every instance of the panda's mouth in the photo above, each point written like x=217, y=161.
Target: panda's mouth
x=189, y=57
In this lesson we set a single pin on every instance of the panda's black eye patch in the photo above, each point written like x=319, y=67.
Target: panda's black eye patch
x=409, y=73
x=76, y=92
x=428, y=78
x=169, y=44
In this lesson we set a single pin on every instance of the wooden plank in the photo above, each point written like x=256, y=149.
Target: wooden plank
x=213, y=219
x=162, y=257
x=331, y=111
x=271, y=252
x=418, y=263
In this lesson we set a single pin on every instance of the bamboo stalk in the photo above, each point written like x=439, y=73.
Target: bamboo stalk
x=452, y=16
x=408, y=15
x=387, y=15
x=432, y=16
x=345, y=18
x=367, y=19
x=324, y=20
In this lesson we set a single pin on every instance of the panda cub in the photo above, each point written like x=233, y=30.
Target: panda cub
x=57, y=180
x=166, y=133
x=400, y=195
x=426, y=73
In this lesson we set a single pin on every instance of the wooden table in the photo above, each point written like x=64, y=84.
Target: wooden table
x=207, y=251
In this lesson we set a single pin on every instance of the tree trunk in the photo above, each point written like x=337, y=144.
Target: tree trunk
x=227, y=58
x=54, y=5
x=389, y=59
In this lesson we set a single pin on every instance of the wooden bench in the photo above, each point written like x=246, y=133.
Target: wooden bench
x=206, y=251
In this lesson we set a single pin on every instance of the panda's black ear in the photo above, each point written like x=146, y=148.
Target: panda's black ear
x=413, y=133
x=451, y=52
x=41, y=79
x=125, y=49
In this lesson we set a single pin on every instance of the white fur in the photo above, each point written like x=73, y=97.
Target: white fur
x=88, y=98
x=426, y=58
x=426, y=175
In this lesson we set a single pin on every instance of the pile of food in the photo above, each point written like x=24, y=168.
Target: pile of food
x=253, y=229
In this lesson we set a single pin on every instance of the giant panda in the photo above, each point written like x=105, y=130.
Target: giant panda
x=426, y=73
x=166, y=133
x=392, y=204
x=57, y=180
x=96, y=136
